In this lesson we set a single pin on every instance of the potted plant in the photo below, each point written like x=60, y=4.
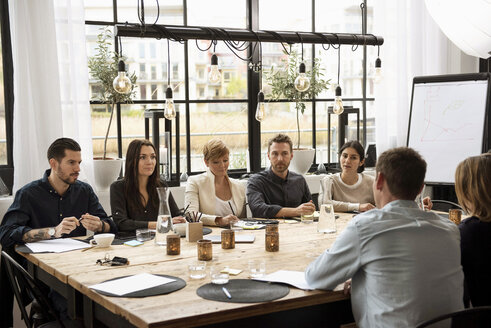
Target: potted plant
x=103, y=67
x=282, y=82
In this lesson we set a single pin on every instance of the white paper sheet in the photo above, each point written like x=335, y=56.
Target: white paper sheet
x=294, y=278
x=56, y=245
x=247, y=225
x=239, y=238
x=131, y=284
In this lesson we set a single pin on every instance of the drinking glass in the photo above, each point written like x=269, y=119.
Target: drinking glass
x=307, y=218
x=257, y=268
x=143, y=234
x=197, y=270
x=218, y=277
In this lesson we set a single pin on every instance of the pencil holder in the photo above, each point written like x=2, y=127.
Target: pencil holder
x=194, y=231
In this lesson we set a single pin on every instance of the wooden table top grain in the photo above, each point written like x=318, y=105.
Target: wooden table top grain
x=299, y=245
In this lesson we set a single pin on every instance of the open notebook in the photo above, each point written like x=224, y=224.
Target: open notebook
x=239, y=238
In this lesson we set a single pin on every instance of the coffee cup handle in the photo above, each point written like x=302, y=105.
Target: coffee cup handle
x=93, y=242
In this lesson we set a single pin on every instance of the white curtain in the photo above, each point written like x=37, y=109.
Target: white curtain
x=413, y=46
x=50, y=83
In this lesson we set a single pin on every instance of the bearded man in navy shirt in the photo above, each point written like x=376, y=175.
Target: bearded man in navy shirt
x=55, y=206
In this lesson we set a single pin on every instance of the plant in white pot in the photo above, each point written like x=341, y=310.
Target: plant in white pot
x=104, y=67
x=282, y=82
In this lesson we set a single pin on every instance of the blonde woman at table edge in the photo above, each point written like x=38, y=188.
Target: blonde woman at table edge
x=220, y=199
x=350, y=190
x=472, y=181
x=134, y=199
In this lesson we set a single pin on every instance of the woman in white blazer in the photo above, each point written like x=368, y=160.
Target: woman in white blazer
x=220, y=199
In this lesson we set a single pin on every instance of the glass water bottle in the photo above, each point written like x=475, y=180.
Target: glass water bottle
x=164, y=218
x=327, y=219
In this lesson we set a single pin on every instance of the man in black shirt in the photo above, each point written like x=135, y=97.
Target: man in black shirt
x=277, y=192
x=58, y=205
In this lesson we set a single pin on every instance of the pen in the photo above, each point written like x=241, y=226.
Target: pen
x=184, y=212
x=226, y=292
x=231, y=208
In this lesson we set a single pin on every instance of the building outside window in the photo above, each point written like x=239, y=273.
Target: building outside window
x=229, y=120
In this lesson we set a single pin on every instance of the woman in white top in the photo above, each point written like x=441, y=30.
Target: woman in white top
x=220, y=199
x=350, y=190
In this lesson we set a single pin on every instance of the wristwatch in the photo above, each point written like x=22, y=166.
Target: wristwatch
x=51, y=232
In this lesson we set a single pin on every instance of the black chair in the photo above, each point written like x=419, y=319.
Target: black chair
x=20, y=279
x=478, y=317
x=444, y=205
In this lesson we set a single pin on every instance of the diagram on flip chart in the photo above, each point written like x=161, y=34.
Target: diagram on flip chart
x=447, y=124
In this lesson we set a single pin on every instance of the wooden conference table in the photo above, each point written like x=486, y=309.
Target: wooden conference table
x=72, y=272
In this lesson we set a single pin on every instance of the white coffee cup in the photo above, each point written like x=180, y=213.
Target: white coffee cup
x=102, y=240
x=180, y=229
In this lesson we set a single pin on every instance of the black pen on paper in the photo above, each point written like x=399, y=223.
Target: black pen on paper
x=226, y=292
x=231, y=208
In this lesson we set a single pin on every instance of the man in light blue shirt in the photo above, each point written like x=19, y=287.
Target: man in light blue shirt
x=404, y=262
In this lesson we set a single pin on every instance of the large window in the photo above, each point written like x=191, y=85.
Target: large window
x=222, y=109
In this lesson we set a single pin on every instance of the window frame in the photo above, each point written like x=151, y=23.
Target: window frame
x=254, y=128
x=7, y=170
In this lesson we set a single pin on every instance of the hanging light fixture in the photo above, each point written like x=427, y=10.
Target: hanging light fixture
x=261, y=107
x=215, y=75
x=302, y=82
x=338, y=107
x=169, y=108
x=378, y=67
x=121, y=83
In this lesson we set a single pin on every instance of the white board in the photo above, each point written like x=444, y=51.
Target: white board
x=447, y=125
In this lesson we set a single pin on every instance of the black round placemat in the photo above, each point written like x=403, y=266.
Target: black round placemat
x=154, y=291
x=206, y=231
x=243, y=291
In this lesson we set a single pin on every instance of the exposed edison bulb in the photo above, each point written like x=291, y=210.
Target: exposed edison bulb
x=215, y=75
x=169, y=108
x=378, y=70
x=338, y=107
x=261, y=107
x=122, y=83
x=302, y=82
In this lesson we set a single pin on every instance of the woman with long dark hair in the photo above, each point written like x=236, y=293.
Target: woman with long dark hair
x=134, y=199
x=350, y=190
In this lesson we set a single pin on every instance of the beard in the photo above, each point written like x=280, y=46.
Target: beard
x=68, y=179
x=280, y=167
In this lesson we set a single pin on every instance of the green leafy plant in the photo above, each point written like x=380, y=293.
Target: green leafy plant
x=103, y=67
x=282, y=84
